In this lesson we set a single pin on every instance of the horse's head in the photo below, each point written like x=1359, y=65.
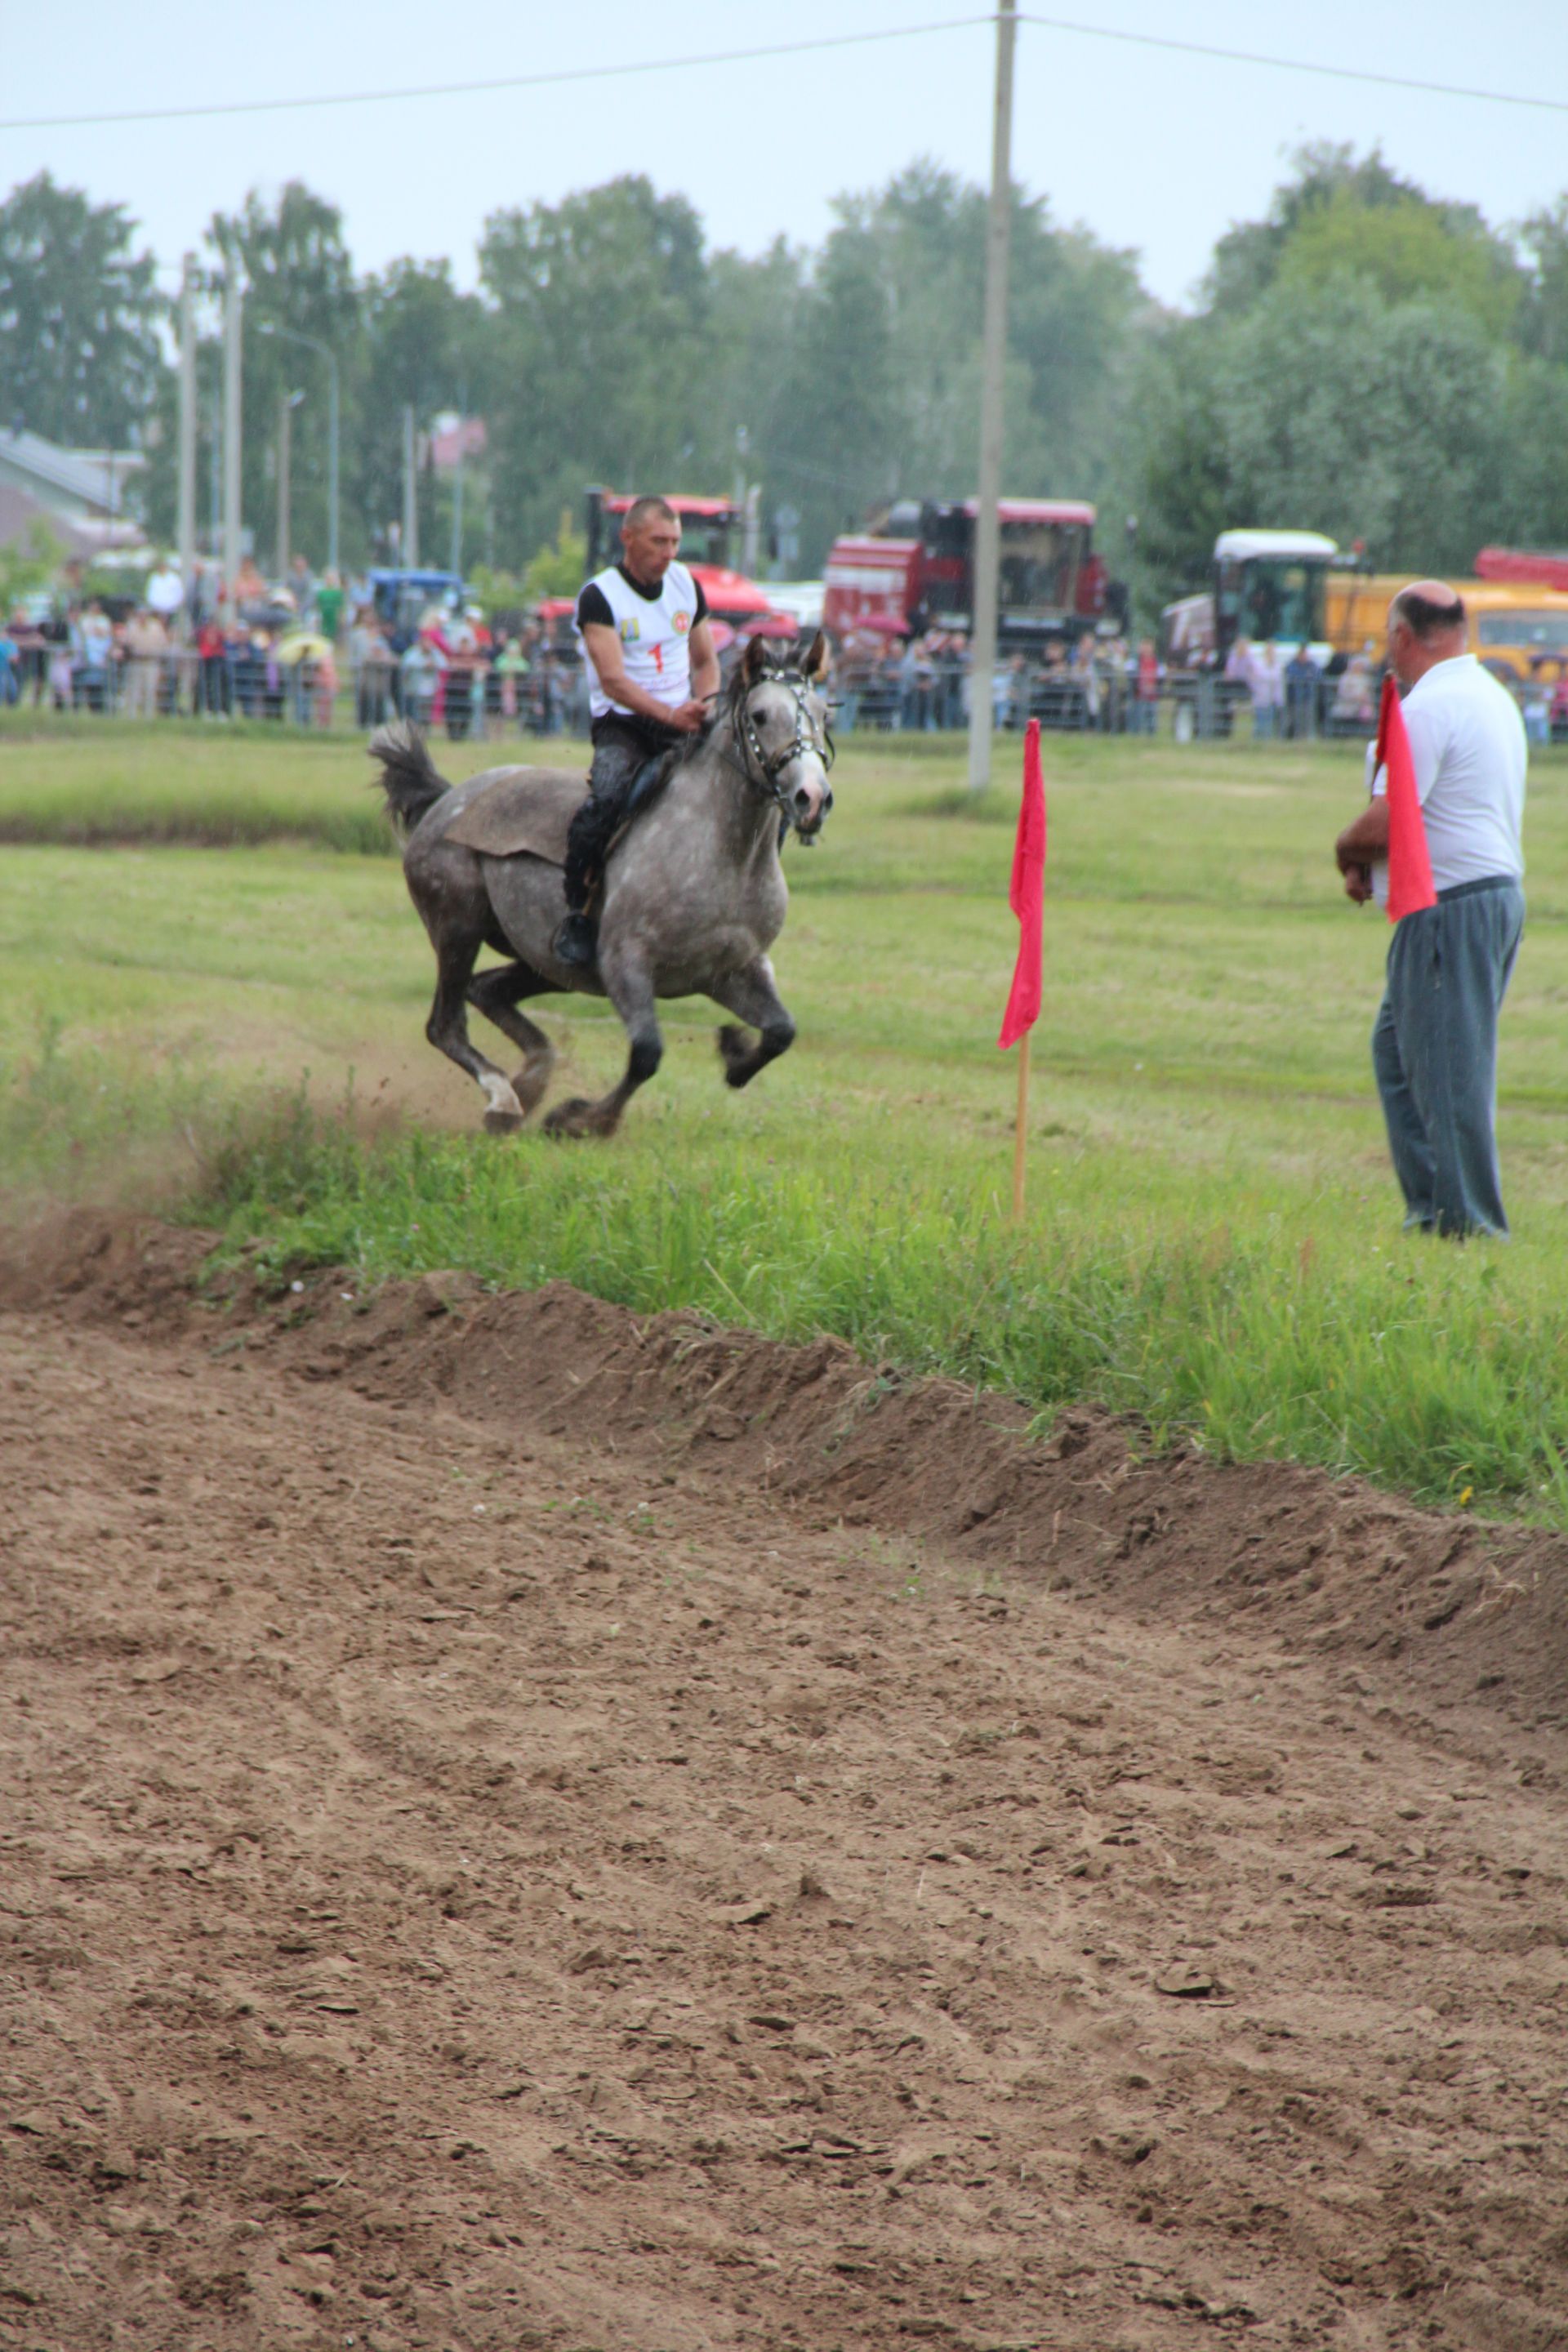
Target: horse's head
x=779, y=713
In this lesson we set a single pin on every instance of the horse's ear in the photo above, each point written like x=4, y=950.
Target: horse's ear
x=815, y=662
x=755, y=661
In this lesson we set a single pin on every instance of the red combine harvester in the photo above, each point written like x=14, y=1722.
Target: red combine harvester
x=709, y=528
x=1528, y=567
x=914, y=569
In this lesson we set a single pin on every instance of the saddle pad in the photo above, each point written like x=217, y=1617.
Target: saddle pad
x=521, y=813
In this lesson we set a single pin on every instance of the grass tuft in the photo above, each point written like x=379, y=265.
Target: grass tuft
x=1405, y=1368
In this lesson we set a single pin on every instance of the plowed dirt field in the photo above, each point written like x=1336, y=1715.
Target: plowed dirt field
x=522, y=1829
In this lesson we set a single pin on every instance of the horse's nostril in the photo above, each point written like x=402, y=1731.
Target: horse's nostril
x=802, y=801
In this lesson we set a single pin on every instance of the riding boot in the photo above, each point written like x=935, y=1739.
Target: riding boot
x=576, y=941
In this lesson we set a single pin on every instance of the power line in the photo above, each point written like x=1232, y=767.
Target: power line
x=1292, y=65
x=780, y=49
x=497, y=82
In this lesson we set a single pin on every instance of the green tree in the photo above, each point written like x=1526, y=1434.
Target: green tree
x=1247, y=258
x=1531, y=509
x=885, y=384
x=28, y=564
x=298, y=274
x=834, y=436
x=602, y=308
x=557, y=569
x=1184, y=496
x=1543, y=314
x=1403, y=249
x=1343, y=414
x=80, y=357
x=427, y=347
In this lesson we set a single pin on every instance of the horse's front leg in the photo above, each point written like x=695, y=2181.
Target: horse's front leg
x=753, y=994
x=629, y=988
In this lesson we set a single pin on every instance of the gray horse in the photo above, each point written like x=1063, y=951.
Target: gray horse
x=694, y=894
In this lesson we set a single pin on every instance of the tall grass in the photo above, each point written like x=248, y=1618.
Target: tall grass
x=72, y=1119
x=1406, y=1366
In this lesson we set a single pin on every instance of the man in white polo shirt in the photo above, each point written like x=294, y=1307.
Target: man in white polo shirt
x=652, y=669
x=1434, y=1048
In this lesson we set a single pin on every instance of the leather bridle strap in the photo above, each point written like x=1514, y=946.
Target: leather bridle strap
x=763, y=768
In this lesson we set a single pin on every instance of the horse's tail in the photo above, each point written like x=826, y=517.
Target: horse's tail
x=409, y=777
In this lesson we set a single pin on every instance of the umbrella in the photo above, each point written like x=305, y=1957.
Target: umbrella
x=772, y=624
x=308, y=645
x=721, y=633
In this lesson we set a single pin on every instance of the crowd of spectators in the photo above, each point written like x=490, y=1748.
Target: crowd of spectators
x=924, y=684
x=288, y=653
x=304, y=651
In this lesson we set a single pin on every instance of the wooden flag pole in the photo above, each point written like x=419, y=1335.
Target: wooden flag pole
x=1020, y=1138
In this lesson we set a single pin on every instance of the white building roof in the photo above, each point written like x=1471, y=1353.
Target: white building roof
x=82, y=482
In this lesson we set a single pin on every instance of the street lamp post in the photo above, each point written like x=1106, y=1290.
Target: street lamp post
x=292, y=335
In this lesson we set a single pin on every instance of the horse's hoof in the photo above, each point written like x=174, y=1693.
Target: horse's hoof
x=736, y=1051
x=569, y=1119
x=503, y=1122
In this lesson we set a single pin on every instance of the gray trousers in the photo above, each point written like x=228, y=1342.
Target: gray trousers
x=1434, y=1053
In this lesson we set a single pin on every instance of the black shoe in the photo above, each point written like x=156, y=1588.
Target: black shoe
x=577, y=942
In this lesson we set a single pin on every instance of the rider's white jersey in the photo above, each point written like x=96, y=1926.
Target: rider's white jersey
x=655, y=631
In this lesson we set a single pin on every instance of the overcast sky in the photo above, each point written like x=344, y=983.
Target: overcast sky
x=1152, y=150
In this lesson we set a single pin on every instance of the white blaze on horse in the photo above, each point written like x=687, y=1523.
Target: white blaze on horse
x=694, y=894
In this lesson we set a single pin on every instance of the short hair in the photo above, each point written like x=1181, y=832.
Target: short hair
x=1426, y=617
x=639, y=510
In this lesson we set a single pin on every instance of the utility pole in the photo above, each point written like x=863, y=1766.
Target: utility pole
x=456, y=564
x=994, y=360
x=215, y=482
x=312, y=343
x=410, y=494
x=186, y=527
x=288, y=402
x=233, y=302
x=334, y=422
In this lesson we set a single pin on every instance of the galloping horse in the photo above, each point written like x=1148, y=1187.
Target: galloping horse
x=694, y=894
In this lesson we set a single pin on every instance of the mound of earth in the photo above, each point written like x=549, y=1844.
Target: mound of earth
x=525, y=1827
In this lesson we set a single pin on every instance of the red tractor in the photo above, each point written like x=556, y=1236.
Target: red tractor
x=914, y=569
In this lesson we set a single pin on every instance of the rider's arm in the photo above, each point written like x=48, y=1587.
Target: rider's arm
x=704, y=663
x=603, y=647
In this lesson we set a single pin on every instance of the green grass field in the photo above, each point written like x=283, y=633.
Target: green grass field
x=225, y=1008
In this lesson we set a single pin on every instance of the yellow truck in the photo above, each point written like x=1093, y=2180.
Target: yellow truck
x=1520, y=630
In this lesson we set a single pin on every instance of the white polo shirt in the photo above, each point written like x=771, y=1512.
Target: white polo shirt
x=1467, y=746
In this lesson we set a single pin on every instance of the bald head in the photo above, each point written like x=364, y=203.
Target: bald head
x=1425, y=626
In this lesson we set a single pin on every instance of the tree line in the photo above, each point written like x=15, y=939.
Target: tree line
x=1367, y=360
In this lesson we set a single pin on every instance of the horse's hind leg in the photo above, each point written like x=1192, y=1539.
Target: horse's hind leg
x=496, y=994
x=753, y=994
x=630, y=991
x=448, y=1029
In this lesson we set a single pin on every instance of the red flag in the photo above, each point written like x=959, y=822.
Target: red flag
x=1409, y=867
x=1027, y=896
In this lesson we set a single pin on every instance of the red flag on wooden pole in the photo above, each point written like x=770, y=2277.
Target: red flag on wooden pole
x=1409, y=867
x=1026, y=896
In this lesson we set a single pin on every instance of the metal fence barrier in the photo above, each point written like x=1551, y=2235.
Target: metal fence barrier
x=488, y=700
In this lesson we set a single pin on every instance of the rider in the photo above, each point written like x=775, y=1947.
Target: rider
x=652, y=670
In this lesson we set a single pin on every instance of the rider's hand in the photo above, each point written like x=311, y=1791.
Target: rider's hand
x=688, y=717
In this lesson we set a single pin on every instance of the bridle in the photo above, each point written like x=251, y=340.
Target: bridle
x=761, y=769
